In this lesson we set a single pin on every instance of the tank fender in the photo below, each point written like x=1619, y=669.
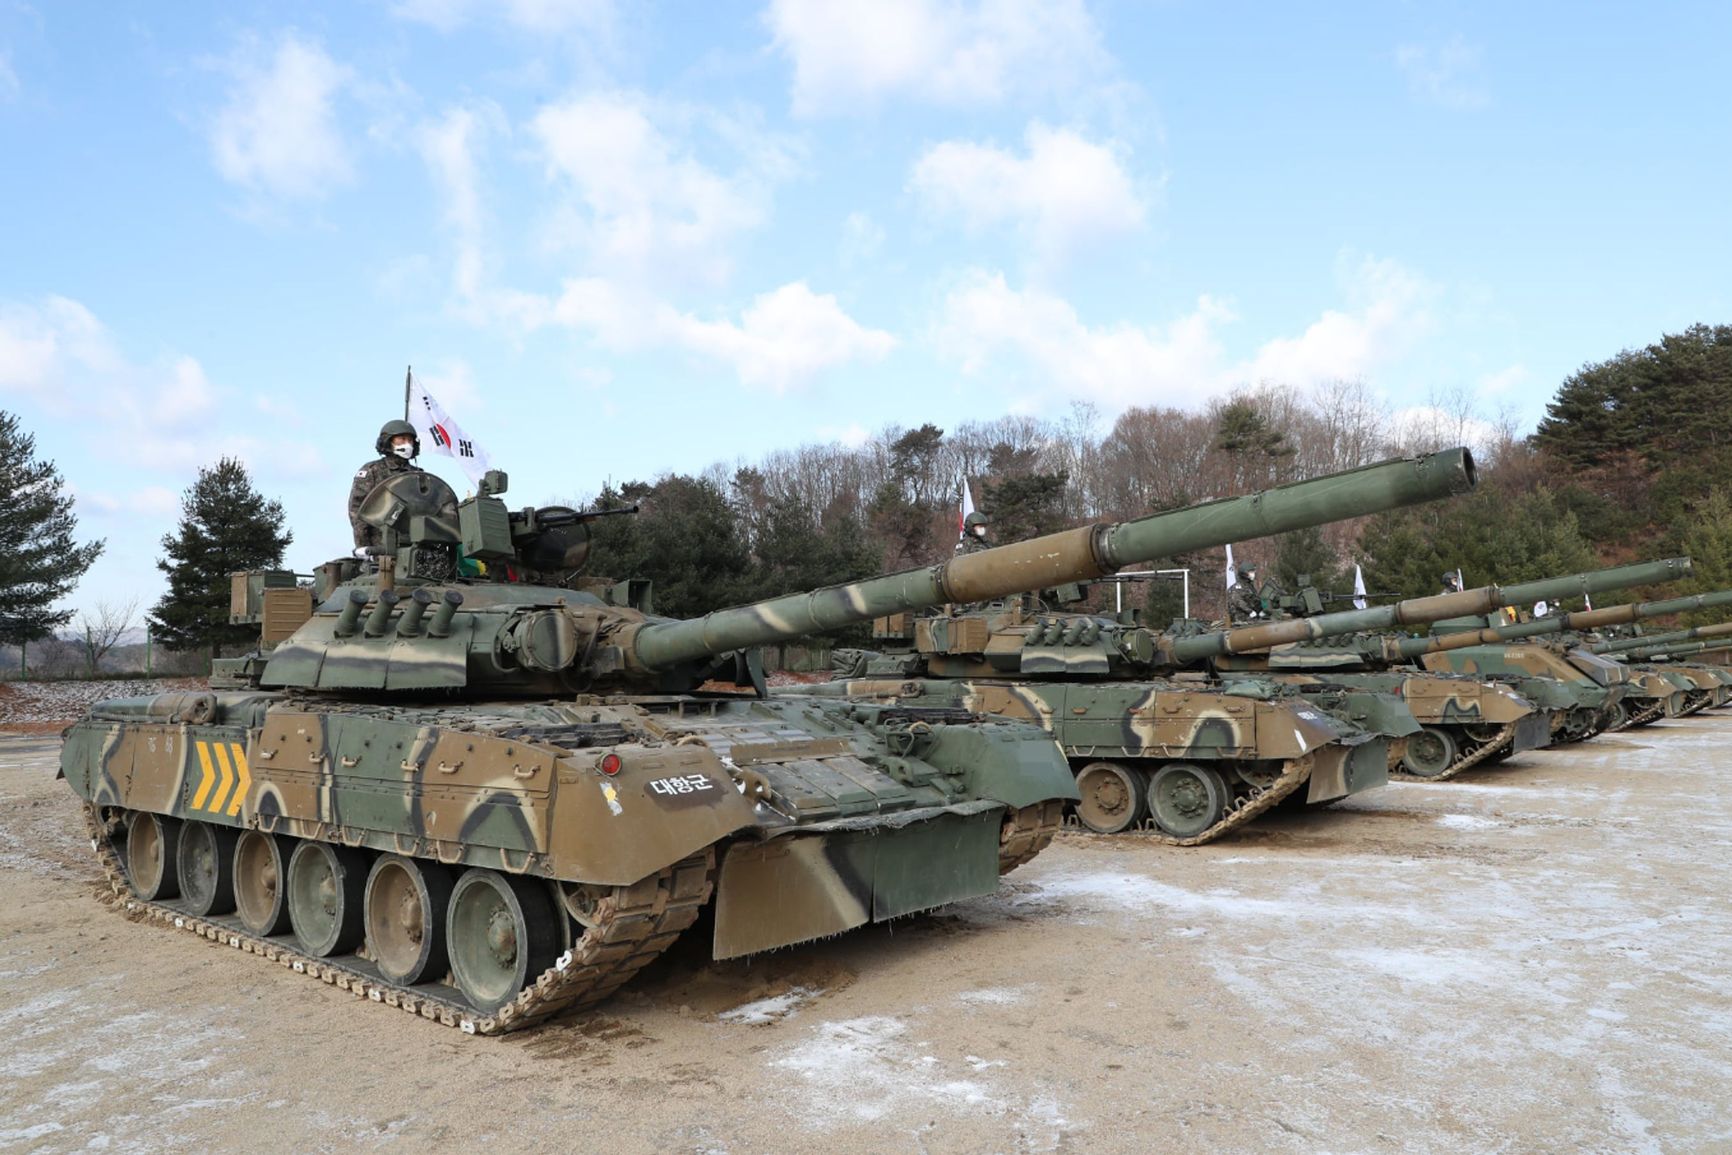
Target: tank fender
x=1287, y=730
x=662, y=804
x=1016, y=765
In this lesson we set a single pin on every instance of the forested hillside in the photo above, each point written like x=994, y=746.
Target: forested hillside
x=1633, y=460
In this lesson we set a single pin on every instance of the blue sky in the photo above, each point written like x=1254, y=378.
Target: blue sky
x=617, y=241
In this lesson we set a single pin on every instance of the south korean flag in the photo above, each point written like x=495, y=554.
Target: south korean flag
x=443, y=434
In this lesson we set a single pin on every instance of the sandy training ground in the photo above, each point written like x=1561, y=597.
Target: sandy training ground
x=1531, y=958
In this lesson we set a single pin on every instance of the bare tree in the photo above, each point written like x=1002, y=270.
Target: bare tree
x=103, y=628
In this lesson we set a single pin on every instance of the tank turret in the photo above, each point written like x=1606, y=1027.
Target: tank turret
x=1465, y=721
x=465, y=785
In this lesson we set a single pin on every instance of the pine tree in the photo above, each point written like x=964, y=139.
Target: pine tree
x=225, y=527
x=1708, y=543
x=39, y=564
x=1492, y=535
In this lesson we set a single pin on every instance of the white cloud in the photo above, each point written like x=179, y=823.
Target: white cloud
x=641, y=199
x=1063, y=192
x=38, y=342
x=153, y=501
x=543, y=16
x=782, y=340
x=847, y=56
x=862, y=240
x=1117, y=365
x=1502, y=381
x=1423, y=428
x=1386, y=311
x=852, y=436
x=1446, y=74
x=151, y=415
x=451, y=147
x=986, y=325
x=9, y=86
x=452, y=384
x=185, y=395
x=278, y=133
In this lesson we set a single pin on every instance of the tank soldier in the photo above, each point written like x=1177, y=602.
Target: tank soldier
x=973, y=534
x=1451, y=581
x=1244, y=603
x=398, y=447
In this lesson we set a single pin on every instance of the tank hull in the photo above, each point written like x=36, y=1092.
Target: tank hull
x=1258, y=749
x=798, y=819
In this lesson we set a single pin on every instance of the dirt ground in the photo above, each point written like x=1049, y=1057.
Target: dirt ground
x=1532, y=958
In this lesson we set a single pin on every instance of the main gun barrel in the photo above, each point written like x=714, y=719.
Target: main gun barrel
x=1421, y=611
x=1560, y=623
x=1072, y=555
x=1677, y=637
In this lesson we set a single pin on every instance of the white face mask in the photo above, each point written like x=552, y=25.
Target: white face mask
x=980, y=531
x=405, y=450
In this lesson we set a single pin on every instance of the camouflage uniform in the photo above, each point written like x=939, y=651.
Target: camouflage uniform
x=366, y=478
x=1244, y=603
x=971, y=542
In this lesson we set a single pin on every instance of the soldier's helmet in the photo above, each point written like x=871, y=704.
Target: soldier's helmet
x=392, y=429
x=1248, y=571
x=974, y=522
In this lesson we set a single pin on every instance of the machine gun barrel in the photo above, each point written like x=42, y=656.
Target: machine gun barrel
x=1080, y=554
x=1677, y=637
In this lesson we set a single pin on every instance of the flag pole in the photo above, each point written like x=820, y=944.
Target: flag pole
x=408, y=376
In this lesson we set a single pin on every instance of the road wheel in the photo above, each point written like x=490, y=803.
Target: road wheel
x=1186, y=799
x=261, y=864
x=327, y=897
x=206, y=862
x=405, y=907
x=1429, y=752
x=1114, y=797
x=151, y=844
x=501, y=932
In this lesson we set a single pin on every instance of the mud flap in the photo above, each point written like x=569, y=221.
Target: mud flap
x=809, y=885
x=1342, y=770
x=1531, y=732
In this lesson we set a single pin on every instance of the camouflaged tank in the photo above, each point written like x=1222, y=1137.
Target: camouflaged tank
x=1153, y=742
x=1658, y=656
x=487, y=799
x=1465, y=720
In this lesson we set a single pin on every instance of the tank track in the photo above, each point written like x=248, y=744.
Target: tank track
x=1294, y=773
x=633, y=926
x=1643, y=717
x=1467, y=761
x=1027, y=832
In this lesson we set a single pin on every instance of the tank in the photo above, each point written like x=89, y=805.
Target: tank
x=469, y=787
x=1156, y=742
x=1659, y=656
x=1468, y=721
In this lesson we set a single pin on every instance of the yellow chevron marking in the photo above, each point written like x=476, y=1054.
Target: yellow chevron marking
x=207, y=777
x=246, y=780
x=222, y=757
